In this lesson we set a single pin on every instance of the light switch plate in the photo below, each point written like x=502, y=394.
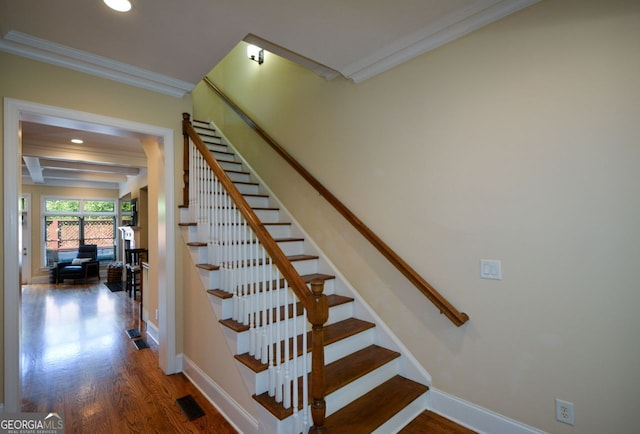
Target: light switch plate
x=491, y=269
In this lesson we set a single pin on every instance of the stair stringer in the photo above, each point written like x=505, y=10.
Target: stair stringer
x=412, y=369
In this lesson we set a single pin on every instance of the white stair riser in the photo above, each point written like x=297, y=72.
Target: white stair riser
x=223, y=156
x=257, y=201
x=291, y=248
x=354, y=390
x=208, y=136
x=247, y=188
x=226, y=165
x=239, y=176
x=279, y=231
x=267, y=215
x=305, y=267
x=344, y=347
x=214, y=146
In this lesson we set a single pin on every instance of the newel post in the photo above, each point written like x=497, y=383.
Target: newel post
x=318, y=317
x=186, y=119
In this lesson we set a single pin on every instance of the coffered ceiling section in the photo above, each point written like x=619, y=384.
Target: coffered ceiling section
x=101, y=161
x=173, y=44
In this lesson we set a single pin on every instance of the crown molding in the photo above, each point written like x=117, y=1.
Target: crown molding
x=320, y=69
x=436, y=34
x=34, y=48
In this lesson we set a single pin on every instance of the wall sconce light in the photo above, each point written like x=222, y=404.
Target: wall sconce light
x=256, y=54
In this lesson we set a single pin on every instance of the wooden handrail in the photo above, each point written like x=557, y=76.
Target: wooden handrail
x=457, y=317
x=313, y=301
x=275, y=253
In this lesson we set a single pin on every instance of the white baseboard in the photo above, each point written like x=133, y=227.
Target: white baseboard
x=242, y=421
x=153, y=332
x=474, y=417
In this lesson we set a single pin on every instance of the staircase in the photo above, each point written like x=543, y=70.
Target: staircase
x=372, y=383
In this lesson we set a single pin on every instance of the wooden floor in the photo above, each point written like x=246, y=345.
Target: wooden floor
x=77, y=360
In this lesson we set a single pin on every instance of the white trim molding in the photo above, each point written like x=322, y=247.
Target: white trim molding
x=14, y=111
x=462, y=22
x=226, y=405
x=34, y=48
x=474, y=417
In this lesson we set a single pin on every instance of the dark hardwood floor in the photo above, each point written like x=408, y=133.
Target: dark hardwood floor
x=77, y=360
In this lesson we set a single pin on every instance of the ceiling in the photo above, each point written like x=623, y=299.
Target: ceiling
x=103, y=160
x=168, y=46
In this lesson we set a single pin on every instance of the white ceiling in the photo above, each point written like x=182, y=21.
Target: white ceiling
x=169, y=45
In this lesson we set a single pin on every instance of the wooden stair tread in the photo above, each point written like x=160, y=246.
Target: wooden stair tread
x=288, y=239
x=209, y=267
x=242, y=182
x=196, y=244
x=221, y=152
x=220, y=293
x=428, y=421
x=240, y=172
x=348, y=369
x=294, y=258
x=366, y=413
x=337, y=375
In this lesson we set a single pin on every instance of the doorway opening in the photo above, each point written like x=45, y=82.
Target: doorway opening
x=162, y=139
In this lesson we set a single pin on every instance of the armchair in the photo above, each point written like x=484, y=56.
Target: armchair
x=85, y=265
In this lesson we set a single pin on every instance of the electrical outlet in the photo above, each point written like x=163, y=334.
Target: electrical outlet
x=564, y=411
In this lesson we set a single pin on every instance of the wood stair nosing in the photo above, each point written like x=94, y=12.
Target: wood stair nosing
x=338, y=374
x=251, y=183
x=332, y=333
x=196, y=244
x=238, y=172
x=224, y=295
x=366, y=413
x=237, y=326
x=208, y=267
x=214, y=151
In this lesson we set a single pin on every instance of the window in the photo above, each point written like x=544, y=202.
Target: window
x=69, y=223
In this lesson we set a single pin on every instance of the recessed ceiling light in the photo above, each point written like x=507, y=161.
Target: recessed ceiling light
x=77, y=141
x=119, y=5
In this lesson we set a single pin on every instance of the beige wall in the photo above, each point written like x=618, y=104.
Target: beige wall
x=32, y=81
x=519, y=142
